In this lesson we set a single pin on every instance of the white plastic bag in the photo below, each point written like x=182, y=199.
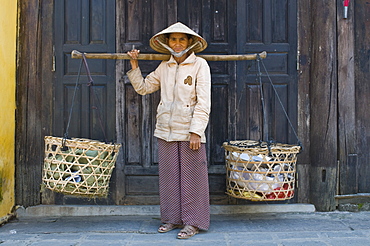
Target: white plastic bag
x=248, y=158
x=262, y=180
x=265, y=182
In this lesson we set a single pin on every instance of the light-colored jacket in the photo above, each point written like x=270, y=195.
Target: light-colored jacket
x=185, y=97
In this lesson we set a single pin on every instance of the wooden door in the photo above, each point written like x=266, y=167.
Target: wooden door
x=86, y=26
x=230, y=27
x=270, y=26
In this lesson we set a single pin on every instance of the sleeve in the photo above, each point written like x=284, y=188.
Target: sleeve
x=203, y=106
x=142, y=86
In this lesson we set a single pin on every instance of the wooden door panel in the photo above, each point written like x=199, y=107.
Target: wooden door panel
x=219, y=31
x=133, y=136
x=87, y=26
x=140, y=20
x=270, y=26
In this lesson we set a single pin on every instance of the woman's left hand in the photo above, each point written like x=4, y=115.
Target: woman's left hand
x=133, y=54
x=194, y=141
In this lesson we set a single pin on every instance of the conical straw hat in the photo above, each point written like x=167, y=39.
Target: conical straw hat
x=178, y=28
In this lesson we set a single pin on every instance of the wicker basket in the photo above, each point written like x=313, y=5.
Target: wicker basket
x=258, y=172
x=80, y=167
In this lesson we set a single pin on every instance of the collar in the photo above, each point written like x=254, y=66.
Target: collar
x=190, y=59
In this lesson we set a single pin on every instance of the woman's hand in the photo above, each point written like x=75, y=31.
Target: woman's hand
x=194, y=141
x=134, y=55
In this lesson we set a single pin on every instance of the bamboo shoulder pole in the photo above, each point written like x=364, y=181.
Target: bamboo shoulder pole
x=161, y=57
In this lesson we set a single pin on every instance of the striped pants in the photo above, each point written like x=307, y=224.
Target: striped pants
x=183, y=184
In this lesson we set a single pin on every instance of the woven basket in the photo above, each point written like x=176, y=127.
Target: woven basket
x=258, y=172
x=77, y=166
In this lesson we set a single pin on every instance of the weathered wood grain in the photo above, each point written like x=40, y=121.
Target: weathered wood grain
x=34, y=97
x=347, y=140
x=362, y=91
x=323, y=97
x=304, y=78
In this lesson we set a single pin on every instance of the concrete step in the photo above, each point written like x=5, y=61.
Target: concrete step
x=107, y=210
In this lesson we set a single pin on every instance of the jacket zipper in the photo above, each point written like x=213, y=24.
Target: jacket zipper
x=173, y=102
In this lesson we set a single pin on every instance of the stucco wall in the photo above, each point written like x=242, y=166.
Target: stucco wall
x=8, y=23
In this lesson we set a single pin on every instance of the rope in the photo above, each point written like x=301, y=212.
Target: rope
x=268, y=141
x=280, y=102
x=265, y=124
x=94, y=97
x=71, y=109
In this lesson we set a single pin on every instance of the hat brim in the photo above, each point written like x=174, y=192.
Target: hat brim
x=177, y=28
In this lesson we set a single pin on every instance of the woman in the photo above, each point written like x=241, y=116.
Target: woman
x=182, y=117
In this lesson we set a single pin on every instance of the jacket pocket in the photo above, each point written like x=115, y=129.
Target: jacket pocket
x=183, y=114
x=163, y=115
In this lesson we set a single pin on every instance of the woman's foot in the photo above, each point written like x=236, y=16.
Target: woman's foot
x=187, y=232
x=167, y=227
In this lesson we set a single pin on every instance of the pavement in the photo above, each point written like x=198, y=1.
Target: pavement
x=244, y=225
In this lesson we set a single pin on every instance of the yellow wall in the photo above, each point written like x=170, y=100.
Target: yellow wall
x=8, y=32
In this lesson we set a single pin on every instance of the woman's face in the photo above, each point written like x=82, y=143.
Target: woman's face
x=178, y=41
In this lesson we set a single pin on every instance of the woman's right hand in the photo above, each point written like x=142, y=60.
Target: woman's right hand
x=134, y=54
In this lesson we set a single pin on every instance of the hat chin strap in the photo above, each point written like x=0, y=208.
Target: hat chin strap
x=177, y=54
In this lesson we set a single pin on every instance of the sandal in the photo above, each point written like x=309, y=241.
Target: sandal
x=187, y=232
x=167, y=227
